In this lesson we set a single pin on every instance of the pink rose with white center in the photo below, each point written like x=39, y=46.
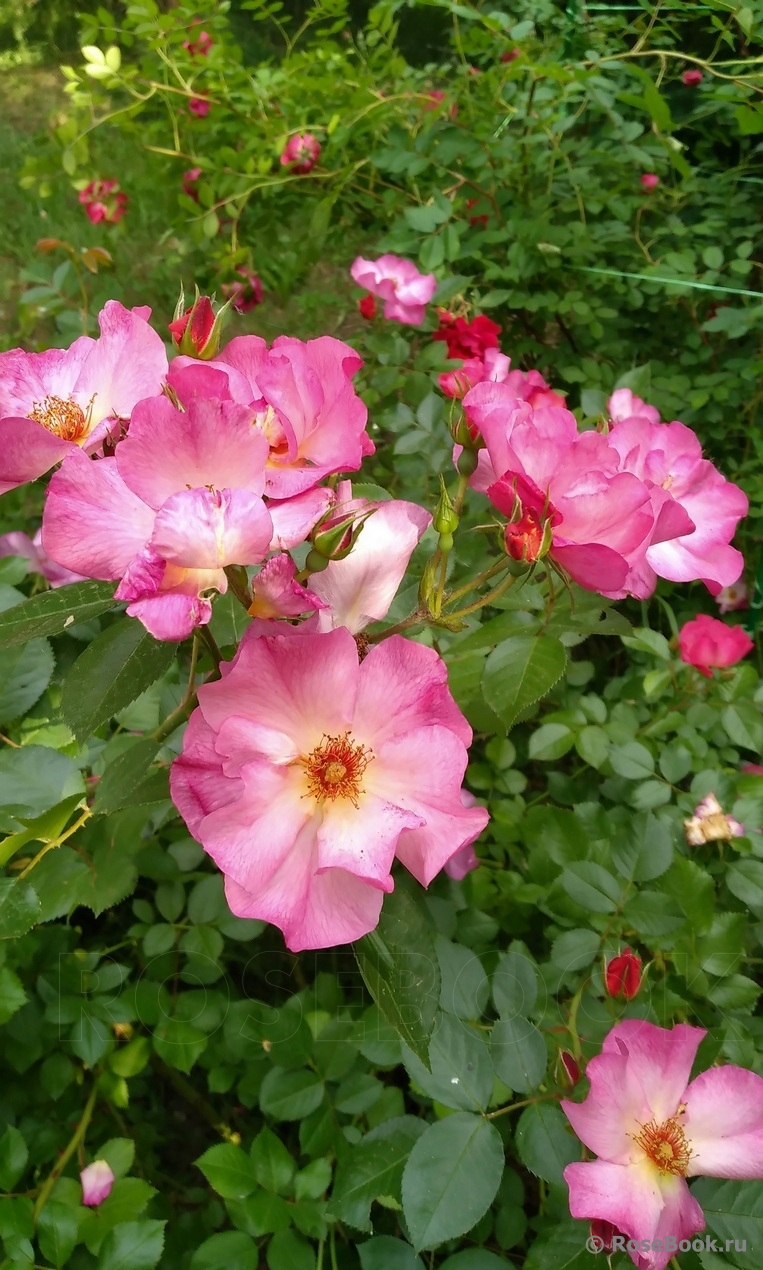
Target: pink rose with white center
x=706, y=642
x=305, y=772
x=303, y=399
x=97, y=1180
x=360, y=588
x=180, y=500
x=685, y=487
x=61, y=400
x=397, y=282
x=651, y=1130
x=539, y=472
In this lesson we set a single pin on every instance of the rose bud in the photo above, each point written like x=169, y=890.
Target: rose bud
x=97, y=1180
x=623, y=975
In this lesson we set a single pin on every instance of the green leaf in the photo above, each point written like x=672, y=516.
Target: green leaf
x=475, y=1259
x=550, y=742
x=387, y=1253
x=645, y=849
x=744, y=725
x=228, y=1170
x=398, y=962
x=290, y=1095
x=592, y=886
x=575, y=949
x=632, y=760
x=519, y=1054
x=563, y=1248
x=745, y=880
x=515, y=983
x=119, y=1153
x=33, y=779
x=179, y=1043
x=112, y=671
x=372, y=1168
x=451, y=1178
x=545, y=1143
x=273, y=1166
x=128, y=781
x=25, y=673
x=520, y=671
x=289, y=1251
x=461, y=1073
x=721, y=950
x=54, y=611
x=41, y=828
x=734, y=1210
x=464, y=989
x=14, y=1154
x=19, y=908
x=231, y=1250
x=12, y=994
x=57, y=1231
x=133, y=1245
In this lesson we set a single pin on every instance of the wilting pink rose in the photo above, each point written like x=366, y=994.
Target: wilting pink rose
x=651, y=1130
x=180, y=500
x=649, y=181
x=303, y=399
x=304, y=773
x=711, y=824
x=57, y=401
x=97, y=1180
x=706, y=642
x=732, y=598
x=360, y=588
x=397, y=282
x=199, y=107
x=692, y=78
x=552, y=482
x=103, y=201
x=20, y=544
x=190, y=180
x=301, y=153
x=245, y=293
x=696, y=509
x=623, y=404
x=277, y=594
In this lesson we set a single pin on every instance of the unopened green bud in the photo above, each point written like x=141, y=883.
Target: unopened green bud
x=445, y=518
x=467, y=462
x=196, y=331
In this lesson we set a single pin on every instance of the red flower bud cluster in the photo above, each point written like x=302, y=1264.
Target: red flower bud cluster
x=103, y=201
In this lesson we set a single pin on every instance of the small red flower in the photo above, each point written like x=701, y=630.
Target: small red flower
x=103, y=201
x=201, y=45
x=649, y=181
x=301, y=153
x=190, y=179
x=525, y=537
x=245, y=293
x=481, y=219
x=692, y=78
x=367, y=307
x=510, y=55
x=199, y=107
x=623, y=975
x=467, y=339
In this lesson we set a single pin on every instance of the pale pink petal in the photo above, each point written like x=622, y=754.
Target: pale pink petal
x=295, y=518
x=616, y=1103
x=97, y=1180
x=362, y=839
x=463, y=861
x=171, y=616
x=245, y=356
x=206, y=529
x=402, y=686
x=27, y=450
x=197, y=783
x=276, y=594
x=18, y=543
x=593, y=566
x=681, y=1217
x=92, y=522
x=660, y=1058
x=623, y=404
x=190, y=379
x=127, y=363
x=361, y=588
x=210, y=443
x=28, y=378
x=724, y=1123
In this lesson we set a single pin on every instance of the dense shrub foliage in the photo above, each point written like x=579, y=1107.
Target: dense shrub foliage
x=584, y=183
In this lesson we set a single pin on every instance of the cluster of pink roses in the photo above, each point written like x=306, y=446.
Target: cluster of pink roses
x=307, y=768
x=615, y=511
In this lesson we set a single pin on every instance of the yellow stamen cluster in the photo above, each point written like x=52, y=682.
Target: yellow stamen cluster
x=335, y=768
x=65, y=419
x=666, y=1145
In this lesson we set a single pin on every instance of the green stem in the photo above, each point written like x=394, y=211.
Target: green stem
x=415, y=619
x=473, y=583
x=211, y=644
x=458, y=501
x=74, y=1142
x=332, y=1250
x=514, y=1106
x=487, y=599
x=319, y=1262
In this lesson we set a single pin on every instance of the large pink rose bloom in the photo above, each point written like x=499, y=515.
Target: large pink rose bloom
x=405, y=292
x=304, y=773
x=706, y=642
x=651, y=1130
x=303, y=399
x=179, y=501
x=361, y=588
x=683, y=485
x=540, y=472
x=54, y=402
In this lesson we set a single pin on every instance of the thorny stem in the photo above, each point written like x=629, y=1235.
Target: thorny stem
x=74, y=1142
x=55, y=842
x=490, y=598
x=473, y=583
x=414, y=619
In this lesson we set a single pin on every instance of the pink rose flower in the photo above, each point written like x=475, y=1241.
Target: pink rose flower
x=303, y=399
x=301, y=153
x=97, y=1180
x=277, y=594
x=20, y=544
x=559, y=488
x=397, y=282
x=199, y=107
x=651, y=1130
x=706, y=642
x=649, y=181
x=200, y=46
x=711, y=824
x=304, y=773
x=696, y=509
x=245, y=292
x=360, y=588
x=190, y=180
x=179, y=501
x=54, y=402
x=692, y=78
x=103, y=201
x=732, y=598
x=623, y=404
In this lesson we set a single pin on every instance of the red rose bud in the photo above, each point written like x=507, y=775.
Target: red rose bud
x=570, y=1069
x=196, y=330
x=692, y=78
x=649, y=181
x=199, y=107
x=602, y=1235
x=510, y=55
x=528, y=538
x=623, y=975
x=190, y=179
x=367, y=307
